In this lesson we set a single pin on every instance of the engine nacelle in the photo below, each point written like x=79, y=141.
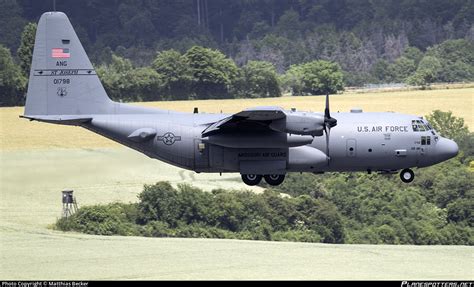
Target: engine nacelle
x=300, y=123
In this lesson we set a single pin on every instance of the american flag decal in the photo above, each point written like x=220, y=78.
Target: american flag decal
x=60, y=53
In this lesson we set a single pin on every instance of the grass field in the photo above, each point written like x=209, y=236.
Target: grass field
x=39, y=160
x=51, y=255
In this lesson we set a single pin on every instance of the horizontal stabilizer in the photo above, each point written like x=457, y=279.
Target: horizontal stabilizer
x=64, y=120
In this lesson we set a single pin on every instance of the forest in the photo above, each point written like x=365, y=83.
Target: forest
x=353, y=208
x=198, y=49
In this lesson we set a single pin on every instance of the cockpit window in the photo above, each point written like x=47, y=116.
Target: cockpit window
x=420, y=126
x=414, y=126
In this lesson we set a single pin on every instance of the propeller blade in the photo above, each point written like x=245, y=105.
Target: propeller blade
x=327, y=131
x=332, y=122
x=329, y=122
x=326, y=110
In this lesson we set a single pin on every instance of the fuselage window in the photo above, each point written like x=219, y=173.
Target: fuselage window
x=426, y=140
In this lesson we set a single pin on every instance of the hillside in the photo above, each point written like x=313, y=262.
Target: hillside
x=354, y=33
x=188, y=49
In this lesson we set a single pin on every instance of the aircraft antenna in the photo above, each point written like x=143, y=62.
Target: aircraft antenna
x=54, y=5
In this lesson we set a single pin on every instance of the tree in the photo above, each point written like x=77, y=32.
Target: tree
x=380, y=70
x=12, y=22
x=401, y=69
x=426, y=73
x=176, y=74
x=462, y=210
x=292, y=80
x=25, y=51
x=321, y=216
x=124, y=82
x=316, y=78
x=111, y=77
x=212, y=72
x=143, y=84
x=387, y=234
x=258, y=79
x=394, y=46
x=271, y=49
x=12, y=82
x=363, y=37
x=454, y=128
x=289, y=24
x=414, y=54
x=456, y=58
x=447, y=125
x=158, y=202
x=140, y=26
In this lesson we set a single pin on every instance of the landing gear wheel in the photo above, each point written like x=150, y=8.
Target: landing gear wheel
x=407, y=175
x=251, y=179
x=274, y=179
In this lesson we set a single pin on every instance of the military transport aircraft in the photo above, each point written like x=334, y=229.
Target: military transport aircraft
x=259, y=142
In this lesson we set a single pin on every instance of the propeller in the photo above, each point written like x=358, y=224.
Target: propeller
x=329, y=122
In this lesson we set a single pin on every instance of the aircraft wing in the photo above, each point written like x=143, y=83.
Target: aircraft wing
x=253, y=119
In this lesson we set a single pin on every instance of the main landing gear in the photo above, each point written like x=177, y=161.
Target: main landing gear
x=271, y=179
x=407, y=175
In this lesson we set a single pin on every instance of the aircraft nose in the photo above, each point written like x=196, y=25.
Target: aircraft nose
x=446, y=149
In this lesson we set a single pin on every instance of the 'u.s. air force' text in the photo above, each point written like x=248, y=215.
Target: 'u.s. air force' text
x=379, y=129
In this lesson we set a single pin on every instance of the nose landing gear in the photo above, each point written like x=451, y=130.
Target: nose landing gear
x=407, y=175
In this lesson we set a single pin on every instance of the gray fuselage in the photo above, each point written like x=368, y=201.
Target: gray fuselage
x=359, y=142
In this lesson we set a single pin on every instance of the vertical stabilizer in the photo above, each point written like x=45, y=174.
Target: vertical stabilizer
x=62, y=80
